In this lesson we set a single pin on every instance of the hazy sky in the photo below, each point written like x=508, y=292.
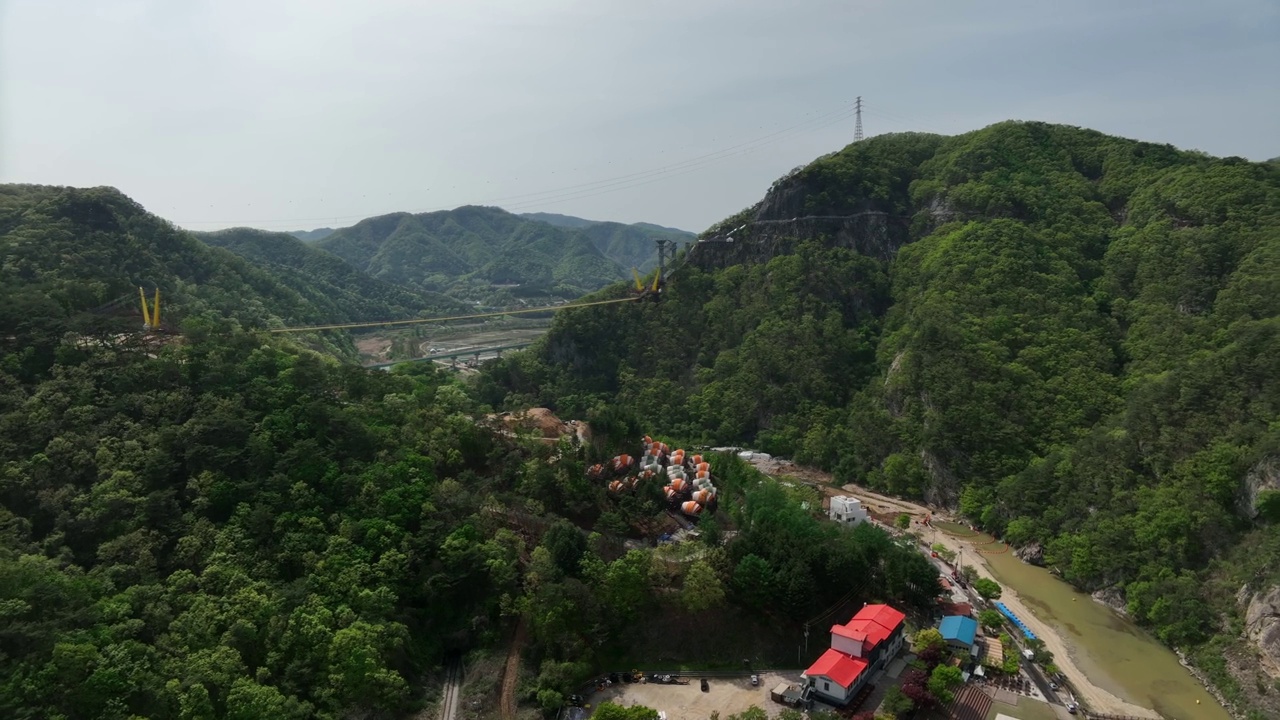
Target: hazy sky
x=293, y=114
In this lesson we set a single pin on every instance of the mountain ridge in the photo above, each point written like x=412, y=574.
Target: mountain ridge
x=324, y=278
x=310, y=236
x=70, y=253
x=630, y=245
x=473, y=247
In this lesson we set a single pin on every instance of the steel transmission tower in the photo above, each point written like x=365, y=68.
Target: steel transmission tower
x=857, y=123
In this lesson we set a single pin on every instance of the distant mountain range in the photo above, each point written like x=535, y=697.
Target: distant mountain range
x=628, y=245
x=473, y=252
x=74, y=250
x=310, y=236
x=75, y=257
x=323, y=278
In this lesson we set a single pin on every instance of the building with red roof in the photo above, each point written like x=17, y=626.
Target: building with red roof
x=858, y=649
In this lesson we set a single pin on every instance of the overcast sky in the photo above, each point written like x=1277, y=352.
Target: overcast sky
x=294, y=114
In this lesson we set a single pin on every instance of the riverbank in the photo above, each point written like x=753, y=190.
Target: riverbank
x=1065, y=654
x=1098, y=698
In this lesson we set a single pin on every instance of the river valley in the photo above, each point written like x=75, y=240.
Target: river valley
x=1111, y=650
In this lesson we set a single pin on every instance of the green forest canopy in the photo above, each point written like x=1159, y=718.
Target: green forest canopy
x=224, y=524
x=1077, y=344
x=466, y=250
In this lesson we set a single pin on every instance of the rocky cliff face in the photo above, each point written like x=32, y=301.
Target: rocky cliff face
x=1112, y=598
x=1265, y=475
x=1262, y=625
x=1032, y=554
x=787, y=216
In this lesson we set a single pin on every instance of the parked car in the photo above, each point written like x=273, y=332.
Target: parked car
x=755, y=679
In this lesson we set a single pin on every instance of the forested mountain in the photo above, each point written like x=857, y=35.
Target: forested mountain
x=310, y=236
x=324, y=279
x=1071, y=337
x=472, y=248
x=69, y=252
x=631, y=246
x=215, y=522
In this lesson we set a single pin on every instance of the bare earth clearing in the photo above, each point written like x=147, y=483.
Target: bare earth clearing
x=687, y=702
x=1097, y=698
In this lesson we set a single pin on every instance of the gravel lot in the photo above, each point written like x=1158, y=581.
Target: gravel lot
x=688, y=702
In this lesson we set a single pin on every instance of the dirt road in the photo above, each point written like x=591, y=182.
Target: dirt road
x=512, y=673
x=1098, y=699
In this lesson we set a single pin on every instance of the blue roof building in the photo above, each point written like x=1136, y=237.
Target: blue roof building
x=958, y=630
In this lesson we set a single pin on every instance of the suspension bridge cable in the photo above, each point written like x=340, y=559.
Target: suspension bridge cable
x=805, y=126
x=420, y=321
x=634, y=184
x=819, y=122
x=900, y=118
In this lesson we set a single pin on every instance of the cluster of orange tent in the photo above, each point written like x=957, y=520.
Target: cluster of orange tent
x=689, y=483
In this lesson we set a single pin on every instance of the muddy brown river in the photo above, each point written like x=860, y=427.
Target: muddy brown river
x=1115, y=653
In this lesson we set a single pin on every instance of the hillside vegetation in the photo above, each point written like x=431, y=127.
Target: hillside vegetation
x=73, y=259
x=324, y=279
x=631, y=246
x=1071, y=337
x=219, y=523
x=465, y=251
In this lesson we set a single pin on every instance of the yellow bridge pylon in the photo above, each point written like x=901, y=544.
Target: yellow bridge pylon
x=150, y=318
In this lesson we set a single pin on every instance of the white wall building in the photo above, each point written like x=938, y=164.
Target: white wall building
x=847, y=510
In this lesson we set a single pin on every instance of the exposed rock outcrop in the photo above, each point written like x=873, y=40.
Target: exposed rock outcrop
x=792, y=211
x=893, y=399
x=1032, y=554
x=1112, y=598
x=545, y=424
x=1262, y=625
x=944, y=491
x=1265, y=475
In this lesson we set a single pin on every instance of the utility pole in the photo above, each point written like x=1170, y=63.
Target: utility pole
x=857, y=123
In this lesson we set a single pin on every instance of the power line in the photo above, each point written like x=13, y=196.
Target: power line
x=626, y=181
x=642, y=181
x=838, y=604
x=701, y=159
x=908, y=120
